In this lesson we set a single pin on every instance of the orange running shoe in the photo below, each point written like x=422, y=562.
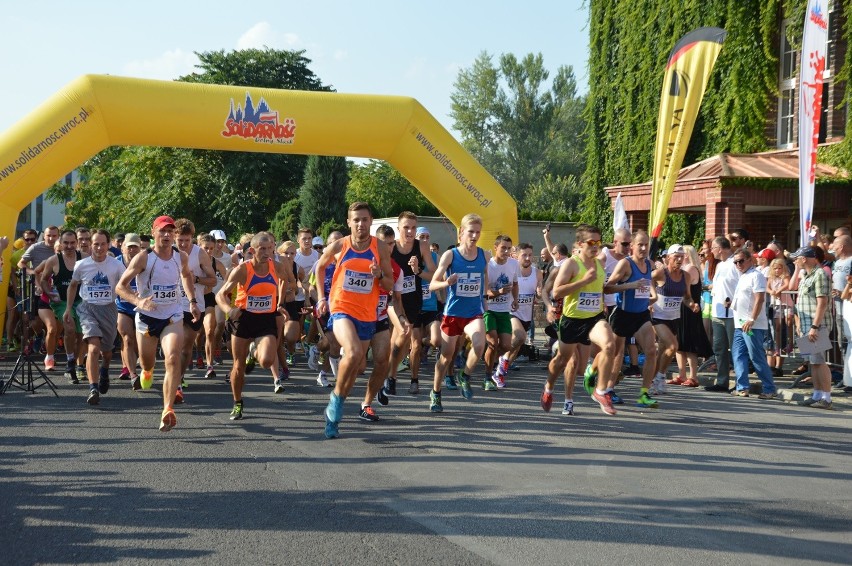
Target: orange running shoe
x=178, y=396
x=146, y=379
x=168, y=421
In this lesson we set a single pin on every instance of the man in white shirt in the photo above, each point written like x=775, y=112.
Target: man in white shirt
x=750, y=326
x=724, y=285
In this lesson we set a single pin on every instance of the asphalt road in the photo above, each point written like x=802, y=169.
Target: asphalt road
x=704, y=479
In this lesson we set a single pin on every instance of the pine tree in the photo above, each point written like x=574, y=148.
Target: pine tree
x=323, y=194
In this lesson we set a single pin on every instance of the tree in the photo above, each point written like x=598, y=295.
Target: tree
x=386, y=190
x=285, y=224
x=323, y=194
x=229, y=190
x=519, y=128
x=552, y=198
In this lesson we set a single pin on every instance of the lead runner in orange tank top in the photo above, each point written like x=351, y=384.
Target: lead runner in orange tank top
x=362, y=265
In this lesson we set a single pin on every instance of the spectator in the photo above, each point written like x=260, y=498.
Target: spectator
x=724, y=284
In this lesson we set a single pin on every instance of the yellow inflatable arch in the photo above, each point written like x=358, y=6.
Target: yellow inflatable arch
x=95, y=112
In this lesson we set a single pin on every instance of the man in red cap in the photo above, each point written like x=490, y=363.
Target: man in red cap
x=159, y=318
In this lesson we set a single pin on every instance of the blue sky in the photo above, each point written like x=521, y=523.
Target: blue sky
x=371, y=47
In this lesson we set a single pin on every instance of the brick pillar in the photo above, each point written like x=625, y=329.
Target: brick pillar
x=716, y=220
x=638, y=220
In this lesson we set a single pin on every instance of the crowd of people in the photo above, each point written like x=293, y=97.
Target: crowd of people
x=392, y=297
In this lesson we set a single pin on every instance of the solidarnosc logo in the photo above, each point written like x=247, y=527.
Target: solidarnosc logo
x=261, y=124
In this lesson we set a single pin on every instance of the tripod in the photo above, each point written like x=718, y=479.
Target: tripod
x=23, y=376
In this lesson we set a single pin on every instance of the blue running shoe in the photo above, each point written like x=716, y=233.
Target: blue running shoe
x=464, y=385
x=435, y=402
x=589, y=379
x=450, y=383
x=331, y=430
x=616, y=398
x=334, y=410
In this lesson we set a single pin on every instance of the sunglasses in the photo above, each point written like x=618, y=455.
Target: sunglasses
x=624, y=244
x=593, y=242
x=29, y=239
x=702, y=254
x=739, y=261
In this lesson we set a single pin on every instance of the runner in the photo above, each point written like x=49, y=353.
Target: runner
x=430, y=312
x=671, y=290
x=54, y=281
x=126, y=315
x=362, y=265
x=580, y=281
x=261, y=285
x=214, y=339
x=380, y=343
x=32, y=259
x=463, y=271
x=305, y=258
x=414, y=258
x=84, y=240
x=159, y=317
x=631, y=282
x=95, y=278
x=325, y=355
x=203, y=276
x=529, y=288
x=502, y=284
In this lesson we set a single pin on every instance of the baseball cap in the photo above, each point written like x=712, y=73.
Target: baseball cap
x=675, y=249
x=317, y=241
x=132, y=239
x=163, y=221
x=766, y=253
x=218, y=235
x=805, y=251
x=422, y=230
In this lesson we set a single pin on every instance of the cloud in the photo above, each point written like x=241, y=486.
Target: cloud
x=262, y=35
x=168, y=66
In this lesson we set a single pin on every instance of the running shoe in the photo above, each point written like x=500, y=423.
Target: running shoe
x=382, y=398
x=250, y=363
x=313, y=356
x=49, y=363
x=168, y=420
x=808, y=402
x=368, y=414
x=464, y=385
x=546, y=400
x=147, y=379
x=178, y=396
x=94, y=397
x=488, y=385
x=331, y=430
x=503, y=367
x=334, y=410
x=237, y=411
x=604, y=401
x=199, y=363
x=210, y=373
x=498, y=379
x=435, y=402
x=616, y=398
x=414, y=388
x=646, y=401
x=71, y=376
x=124, y=375
x=450, y=383
x=568, y=408
x=284, y=373
x=103, y=381
x=279, y=387
x=823, y=404
x=183, y=382
x=459, y=361
x=217, y=357
x=632, y=371
x=322, y=381
x=403, y=365
x=135, y=382
x=589, y=379
x=291, y=360
x=390, y=387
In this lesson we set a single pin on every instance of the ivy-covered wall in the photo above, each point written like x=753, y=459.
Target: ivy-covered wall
x=630, y=41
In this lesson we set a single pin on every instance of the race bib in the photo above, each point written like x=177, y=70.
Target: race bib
x=382, y=306
x=469, y=285
x=357, y=282
x=408, y=284
x=669, y=304
x=643, y=292
x=98, y=294
x=525, y=299
x=164, y=294
x=427, y=294
x=259, y=304
x=589, y=302
x=499, y=299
